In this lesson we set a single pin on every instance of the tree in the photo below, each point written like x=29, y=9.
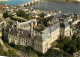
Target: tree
x=21, y=13
x=42, y=15
x=78, y=46
x=12, y=45
x=1, y=50
x=67, y=0
x=66, y=40
x=52, y=53
x=32, y=54
x=72, y=46
x=55, y=43
x=63, y=42
x=20, y=47
x=45, y=22
x=30, y=51
x=11, y=52
x=78, y=25
x=4, y=35
x=10, y=22
x=5, y=15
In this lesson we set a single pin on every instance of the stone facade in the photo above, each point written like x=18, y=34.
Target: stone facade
x=65, y=29
x=29, y=25
x=40, y=42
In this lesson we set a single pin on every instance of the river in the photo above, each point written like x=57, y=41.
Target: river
x=15, y=2
x=49, y=5
x=64, y=7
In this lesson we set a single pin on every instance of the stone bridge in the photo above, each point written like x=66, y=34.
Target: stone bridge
x=32, y=3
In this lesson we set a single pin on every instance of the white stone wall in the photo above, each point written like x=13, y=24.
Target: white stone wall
x=67, y=31
x=19, y=41
x=47, y=43
x=75, y=22
x=41, y=46
x=37, y=45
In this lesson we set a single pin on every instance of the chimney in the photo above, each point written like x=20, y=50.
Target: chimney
x=31, y=25
x=9, y=29
x=12, y=26
x=18, y=32
x=16, y=23
x=17, y=29
x=31, y=34
x=21, y=32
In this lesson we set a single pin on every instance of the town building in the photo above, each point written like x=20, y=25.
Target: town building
x=24, y=33
x=65, y=29
x=28, y=25
x=39, y=42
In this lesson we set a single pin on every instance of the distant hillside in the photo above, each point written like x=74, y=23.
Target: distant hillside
x=65, y=0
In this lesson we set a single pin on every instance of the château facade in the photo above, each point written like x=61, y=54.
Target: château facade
x=38, y=41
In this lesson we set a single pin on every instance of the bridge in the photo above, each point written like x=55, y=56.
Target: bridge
x=33, y=2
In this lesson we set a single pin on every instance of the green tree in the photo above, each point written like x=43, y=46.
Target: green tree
x=63, y=42
x=72, y=46
x=67, y=0
x=31, y=53
x=10, y=22
x=21, y=13
x=11, y=52
x=4, y=35
x=42, y=15
x=78, y=25
x=1, y=50
x=20, y=47
x=5, y=15
x=78, y=46
x=66, y=40
x=52, y=53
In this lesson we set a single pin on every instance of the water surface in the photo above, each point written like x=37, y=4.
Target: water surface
x=14, y=2
x=49, y=5
x=64, y=7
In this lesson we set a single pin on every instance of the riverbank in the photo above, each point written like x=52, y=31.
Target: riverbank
x=70, y=1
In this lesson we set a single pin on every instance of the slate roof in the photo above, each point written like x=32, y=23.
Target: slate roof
x=66, y=24
x=42, y=37
x=49, y=30
x=25, y=34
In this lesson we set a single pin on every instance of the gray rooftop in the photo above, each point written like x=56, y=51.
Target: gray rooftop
x=43, y=36
x=66, y=24
x=22, y=33
x=49, y=30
